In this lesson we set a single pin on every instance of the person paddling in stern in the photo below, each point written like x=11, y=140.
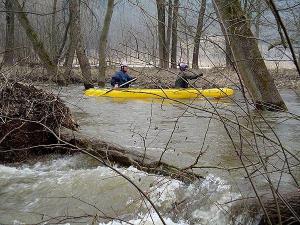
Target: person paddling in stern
x=121, y=77
x=183, y=76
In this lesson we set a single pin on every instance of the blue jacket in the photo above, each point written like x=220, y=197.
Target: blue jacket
x=120, y=78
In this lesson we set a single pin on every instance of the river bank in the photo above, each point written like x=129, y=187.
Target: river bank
x=156, y=78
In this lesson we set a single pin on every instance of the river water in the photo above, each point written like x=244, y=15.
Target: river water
x=78, y=190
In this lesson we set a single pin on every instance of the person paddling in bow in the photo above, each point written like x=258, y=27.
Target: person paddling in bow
x=183, y=76
x=121, y=77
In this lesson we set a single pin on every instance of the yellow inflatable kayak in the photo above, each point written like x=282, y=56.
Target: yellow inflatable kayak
x=175, y=93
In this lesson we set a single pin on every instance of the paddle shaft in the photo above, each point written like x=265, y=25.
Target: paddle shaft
x=128, y=82
x=122, y=85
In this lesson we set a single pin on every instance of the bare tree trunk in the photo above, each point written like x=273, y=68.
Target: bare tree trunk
x=249, y=61
x=299, y=57
x=154, y=47
x=281, y=27
x=163, y=62
x=76, y=44
x=245, y=4
x=81, y=55
x=228, y=53
x=73, y=39
x=53, y=41
x=83, y=59
x=258, y=18
x=69, y=57
x=198, y=35
x=62, y=46
x=84, y=64
x=103, y=42
x=8, y=58
x=169, y=29
x=228, y=56
x=187, y=43
x=278, y=24
x=38, y=45
x=152, y=56
x=174, y=35
x=69, y=54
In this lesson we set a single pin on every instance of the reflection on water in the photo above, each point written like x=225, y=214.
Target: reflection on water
x=182, y=131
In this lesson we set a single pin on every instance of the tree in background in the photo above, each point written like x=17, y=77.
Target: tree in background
x=198, y=35
x=76, y=45
x=60, y=50
x=162, y=44
x=37, y=44
x=247, y=56
x=53, y=38
x=169, y=28
x=8, y=58
x=103, y=42
x=174, y=35
x=228, y=53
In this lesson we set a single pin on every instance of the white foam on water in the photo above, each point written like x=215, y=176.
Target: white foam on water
x=214, y=184
x=132, y=171
x=203, y=198
x=165, y=192
x=5, y=170
x=149, y=219
x=40, y=168
x=215, y=214
x=17, y=222
x=212, y=193
x=162, y=190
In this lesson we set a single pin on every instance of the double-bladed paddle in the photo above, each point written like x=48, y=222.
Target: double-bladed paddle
x=122, y=85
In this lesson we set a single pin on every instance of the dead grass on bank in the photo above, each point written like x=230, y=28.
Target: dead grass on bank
x=155, y=77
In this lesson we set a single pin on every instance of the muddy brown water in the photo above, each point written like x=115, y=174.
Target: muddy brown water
x=64, y=187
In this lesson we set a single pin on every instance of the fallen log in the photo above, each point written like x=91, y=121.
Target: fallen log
x=34, y=122
x=112, y=153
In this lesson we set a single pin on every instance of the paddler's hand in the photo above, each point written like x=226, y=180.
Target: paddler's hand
x=116, y=86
